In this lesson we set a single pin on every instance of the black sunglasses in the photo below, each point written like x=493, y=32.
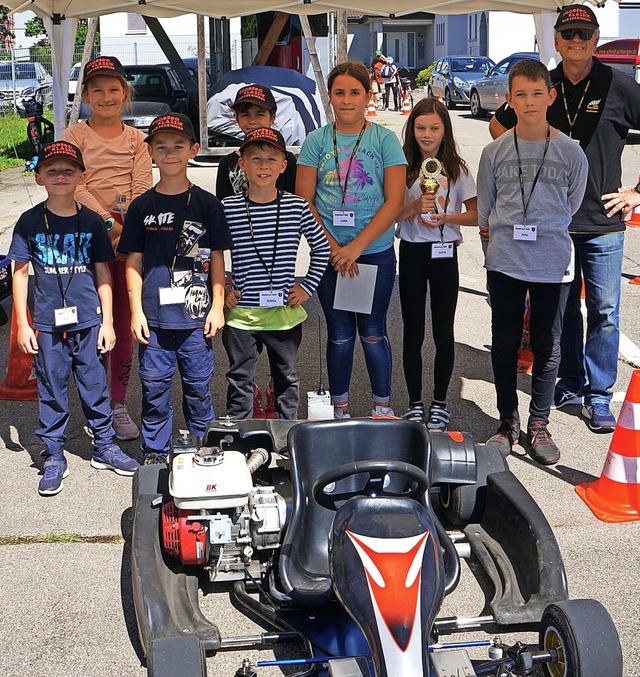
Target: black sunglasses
x=582, y=33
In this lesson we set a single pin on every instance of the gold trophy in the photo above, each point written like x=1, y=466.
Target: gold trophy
x=430, y=170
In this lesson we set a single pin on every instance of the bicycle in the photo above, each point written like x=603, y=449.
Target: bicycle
x=40, y=131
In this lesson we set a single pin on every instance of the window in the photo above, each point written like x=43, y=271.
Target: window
x=411, y=50
x=136, y=24
x=473, y=27
x=440, y=34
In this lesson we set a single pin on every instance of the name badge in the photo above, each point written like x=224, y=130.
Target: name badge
x=171, y=295
x=65, y=316
x=525, y=232
x=342, y=219
x=271, y=299
x=442, y=250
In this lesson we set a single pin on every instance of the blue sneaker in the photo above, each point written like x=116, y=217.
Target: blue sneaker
x=565, y=398
x=599, y=417
x=113, y=458
x=55, y=470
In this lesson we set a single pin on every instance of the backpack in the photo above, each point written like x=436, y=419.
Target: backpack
x=387, y=71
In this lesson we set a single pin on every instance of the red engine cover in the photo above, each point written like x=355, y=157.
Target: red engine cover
x=184, y=539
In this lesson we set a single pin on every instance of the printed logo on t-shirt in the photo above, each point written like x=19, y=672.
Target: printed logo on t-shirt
x=593, y=106
x=63, y=253
x=163, y=222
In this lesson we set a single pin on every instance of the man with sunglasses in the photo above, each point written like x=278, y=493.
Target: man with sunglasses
x=595, y=105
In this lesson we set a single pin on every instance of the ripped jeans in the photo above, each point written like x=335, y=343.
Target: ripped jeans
x=372, y=329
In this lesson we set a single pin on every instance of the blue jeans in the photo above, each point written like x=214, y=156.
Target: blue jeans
x=372, y=329
x=591, y=368
x=194, y=355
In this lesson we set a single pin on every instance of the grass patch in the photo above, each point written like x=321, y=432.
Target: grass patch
x=13, y=140
x=58, y=537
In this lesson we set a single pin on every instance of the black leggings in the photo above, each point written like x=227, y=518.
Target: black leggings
x=548, y=301
x=417, y=272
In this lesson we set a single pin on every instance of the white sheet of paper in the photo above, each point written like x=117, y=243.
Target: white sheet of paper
x=355, y=294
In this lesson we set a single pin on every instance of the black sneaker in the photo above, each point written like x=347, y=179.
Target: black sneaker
x=565, y=398
x=541, y=447
x=506, y=436
x=415, y=412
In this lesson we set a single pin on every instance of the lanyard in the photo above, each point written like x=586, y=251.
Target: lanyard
x=175, y=251
x=536, y=177
x=353, y=154
x=268, y=270
x=74, y=261
x=570, y=120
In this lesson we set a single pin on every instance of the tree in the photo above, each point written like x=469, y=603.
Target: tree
x=34, y=28
x=6, y=27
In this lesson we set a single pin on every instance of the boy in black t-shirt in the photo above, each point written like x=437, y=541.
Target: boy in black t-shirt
x=254, y=106
x=69, y=248
x=174, y=236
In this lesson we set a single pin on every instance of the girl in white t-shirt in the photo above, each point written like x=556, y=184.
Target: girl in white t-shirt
x=429, y=232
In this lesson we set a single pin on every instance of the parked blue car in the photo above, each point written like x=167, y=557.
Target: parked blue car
x=453, y=76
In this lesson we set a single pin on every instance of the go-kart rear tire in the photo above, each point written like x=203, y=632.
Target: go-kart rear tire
x=583, y=634
x=464, y=504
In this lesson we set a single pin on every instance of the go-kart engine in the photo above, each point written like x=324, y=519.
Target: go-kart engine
x=218, y=518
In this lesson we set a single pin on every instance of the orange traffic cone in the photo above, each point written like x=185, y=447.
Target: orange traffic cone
x=440, y=98
x=371, y=108
x=20, y=382
x=636, y=280
x=406, y=105
x=615, y=497
x=634, y=219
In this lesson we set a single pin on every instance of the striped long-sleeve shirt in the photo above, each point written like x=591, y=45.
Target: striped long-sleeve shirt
x=262, y=261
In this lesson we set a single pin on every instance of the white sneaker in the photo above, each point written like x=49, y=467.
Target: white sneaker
x=383, y=412
x=123, y=424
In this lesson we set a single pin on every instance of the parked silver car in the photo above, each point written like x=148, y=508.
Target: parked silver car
x=452, y=77
x=488, y=93
x=25, y=77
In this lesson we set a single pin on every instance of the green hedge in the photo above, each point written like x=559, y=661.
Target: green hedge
x=422, y=79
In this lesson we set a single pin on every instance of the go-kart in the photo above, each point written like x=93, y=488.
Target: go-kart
x=332, y=533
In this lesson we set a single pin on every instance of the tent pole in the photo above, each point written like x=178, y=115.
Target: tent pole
x=270, y=39
x=202, y=85
x=315, y=64
x=343, y=52
x=92, y=27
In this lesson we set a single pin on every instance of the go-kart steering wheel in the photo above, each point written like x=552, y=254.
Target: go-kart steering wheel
x=377, y=471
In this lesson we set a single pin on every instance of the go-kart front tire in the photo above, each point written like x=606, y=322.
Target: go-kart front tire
x=583, y=634
x=464, y=504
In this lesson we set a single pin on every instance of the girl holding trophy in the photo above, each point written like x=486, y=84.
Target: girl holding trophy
x=440, y=197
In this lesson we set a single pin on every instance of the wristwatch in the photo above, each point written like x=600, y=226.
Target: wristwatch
x=110, y=223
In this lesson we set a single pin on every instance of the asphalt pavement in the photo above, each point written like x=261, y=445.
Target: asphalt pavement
x=64, y=561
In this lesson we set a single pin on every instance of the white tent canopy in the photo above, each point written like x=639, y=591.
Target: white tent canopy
x=60, y=18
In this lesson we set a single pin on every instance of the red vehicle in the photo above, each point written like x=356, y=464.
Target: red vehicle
x=623, y=54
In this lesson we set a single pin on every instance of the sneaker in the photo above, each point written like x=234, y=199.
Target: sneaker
x=55, y=470
x=506, y=436
x=113, y=458
x=565, y=398
x=123, y=424
x=154, y=458
x=382, y=412
x=339, y=412
x=599, y=417
x=541, y=447
x=258, y=411
x=415, y=412
x=439, y=417
x=270, y=409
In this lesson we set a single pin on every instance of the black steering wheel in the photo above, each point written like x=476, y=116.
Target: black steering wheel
x=377, y=471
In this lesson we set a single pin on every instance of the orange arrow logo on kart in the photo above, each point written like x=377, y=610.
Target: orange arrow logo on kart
x=394, y=580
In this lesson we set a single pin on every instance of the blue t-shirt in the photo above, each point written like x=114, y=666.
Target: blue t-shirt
x=379, y=148
x=64, y=255
x=163, y=228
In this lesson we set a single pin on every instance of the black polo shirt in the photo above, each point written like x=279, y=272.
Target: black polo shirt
x=598, y=111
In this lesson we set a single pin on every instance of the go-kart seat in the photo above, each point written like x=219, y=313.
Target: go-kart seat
x=314, y=448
